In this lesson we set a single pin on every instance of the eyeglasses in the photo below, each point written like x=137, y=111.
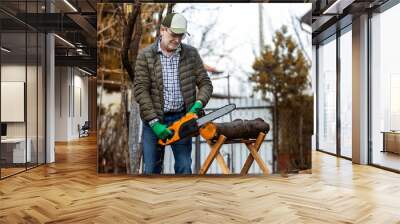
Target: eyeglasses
x=174, y=35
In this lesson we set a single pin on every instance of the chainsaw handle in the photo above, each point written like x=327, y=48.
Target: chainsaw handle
x=175, y=128
x=170, y=139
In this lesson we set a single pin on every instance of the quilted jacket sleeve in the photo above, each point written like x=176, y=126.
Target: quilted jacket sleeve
x=142, y=88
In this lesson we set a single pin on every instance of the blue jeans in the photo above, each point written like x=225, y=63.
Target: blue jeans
x=153, y=154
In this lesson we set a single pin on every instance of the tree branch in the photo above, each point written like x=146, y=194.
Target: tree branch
x=128, y=31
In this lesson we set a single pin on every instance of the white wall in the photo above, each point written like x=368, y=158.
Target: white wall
x=33, y=126
x=61, y=103
x=71, y=94
x=80, y=110
x=12, y=73
x=9, y=73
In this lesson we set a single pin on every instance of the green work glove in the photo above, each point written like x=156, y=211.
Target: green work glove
x=161, y=130
x=197, y=106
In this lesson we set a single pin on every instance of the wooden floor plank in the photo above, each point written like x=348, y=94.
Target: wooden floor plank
x=70, y=191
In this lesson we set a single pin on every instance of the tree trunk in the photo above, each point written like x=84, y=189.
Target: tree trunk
x=134, y=138
x=131, y=47
x=276, y=134
x=237, y=129
x=301, y=145
x=170, y=7
x=159, y=21
x=128, y=31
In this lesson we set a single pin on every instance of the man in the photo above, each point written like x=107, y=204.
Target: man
x=166, y=76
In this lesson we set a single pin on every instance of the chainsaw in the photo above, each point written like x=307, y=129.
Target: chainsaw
x=189, y=125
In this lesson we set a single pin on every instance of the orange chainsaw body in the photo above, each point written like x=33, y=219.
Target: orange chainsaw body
x=177, y=128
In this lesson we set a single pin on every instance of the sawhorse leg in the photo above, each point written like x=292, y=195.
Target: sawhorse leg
x=215, y=154
x=254, y=148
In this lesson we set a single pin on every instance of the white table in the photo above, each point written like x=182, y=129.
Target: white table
x=18, y=149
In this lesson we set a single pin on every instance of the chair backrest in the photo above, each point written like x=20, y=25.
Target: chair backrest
x=86, y=125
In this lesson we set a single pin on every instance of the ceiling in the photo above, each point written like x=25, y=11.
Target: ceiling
x=329, y=15
x=72, y=20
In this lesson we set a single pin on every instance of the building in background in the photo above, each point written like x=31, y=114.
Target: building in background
x=48, y=78
x=356, y=81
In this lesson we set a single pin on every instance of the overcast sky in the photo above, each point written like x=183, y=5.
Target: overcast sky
x=238, y=22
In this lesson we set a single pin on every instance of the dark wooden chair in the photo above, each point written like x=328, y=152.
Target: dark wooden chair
x=84, y=130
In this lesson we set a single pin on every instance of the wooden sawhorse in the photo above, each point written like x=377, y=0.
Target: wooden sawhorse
x=253, y=145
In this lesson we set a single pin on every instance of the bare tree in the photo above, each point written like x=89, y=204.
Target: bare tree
x=131, y=45
x=133, y=24
x=112, y=150
x=122, y=30
x=170, y=7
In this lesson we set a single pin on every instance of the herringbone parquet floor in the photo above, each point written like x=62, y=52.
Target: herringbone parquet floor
x=70, y=191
